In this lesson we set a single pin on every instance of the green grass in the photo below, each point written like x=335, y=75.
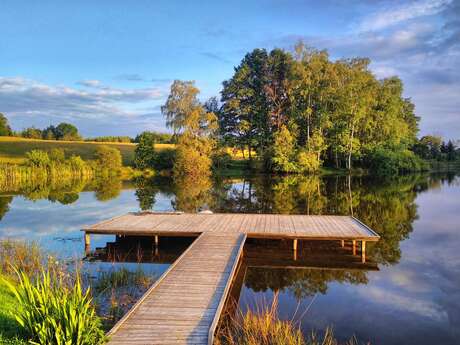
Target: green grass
x=9, y=328
x=13, y=149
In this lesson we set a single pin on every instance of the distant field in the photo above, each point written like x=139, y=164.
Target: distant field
x=13, y=150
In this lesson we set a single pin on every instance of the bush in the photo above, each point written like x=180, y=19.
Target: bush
x=383, y=161
x=76, y=163
x=57, y=155
x=307, y=161
x=50, y=312
x=108, y=158
x=164, y=159
x=38, y=158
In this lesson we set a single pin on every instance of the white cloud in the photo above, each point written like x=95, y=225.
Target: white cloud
x=384, y=18
x=95, y=107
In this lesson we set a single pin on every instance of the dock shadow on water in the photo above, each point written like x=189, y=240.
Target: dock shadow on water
x=124, y=269
x=413, y=297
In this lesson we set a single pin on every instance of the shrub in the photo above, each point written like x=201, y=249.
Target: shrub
x=76, y=163
x=57, y=155
x=53, y=313
x=307, y=161
x=164, y=159
x=108, y=158
x=391, y=162
x=38, y=158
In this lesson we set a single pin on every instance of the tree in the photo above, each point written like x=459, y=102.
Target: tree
x=108, y=158
x=31, y=133
x=49, y=133
x=5, y=129
x=144, y=153
x=66, y=131
x=284, y=151
x=195, y=128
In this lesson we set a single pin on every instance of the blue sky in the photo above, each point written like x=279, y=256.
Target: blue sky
x=106, y=66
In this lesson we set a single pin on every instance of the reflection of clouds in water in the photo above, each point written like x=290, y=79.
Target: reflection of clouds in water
x=44, y=218
x=405, y=303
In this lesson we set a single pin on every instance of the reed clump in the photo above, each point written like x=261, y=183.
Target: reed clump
x=121, y=278
x=264, y=327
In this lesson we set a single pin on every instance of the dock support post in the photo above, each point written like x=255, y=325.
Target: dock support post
x=354, y=247
x=87, y=243
x=363, y=252
x=342, y=243
x=156, y=245
x=294, y=246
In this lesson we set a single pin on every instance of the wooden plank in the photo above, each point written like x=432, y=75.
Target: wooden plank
x=185, y=304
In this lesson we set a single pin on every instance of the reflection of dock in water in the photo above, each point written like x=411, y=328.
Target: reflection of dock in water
x=185, y=304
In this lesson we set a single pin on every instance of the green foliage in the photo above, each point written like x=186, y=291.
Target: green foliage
x=57, y=155
x=120, y=278
x=111, y=139
x=336, y=110
x=144, y=154
x=161, y=138
x=164, y=159
x=307, y=162
x=66, y=131
x=38, y=158
x=108, y=158
x=31, y=133
x=392, y=162
x=284, y=151
x=185, y=114
x=5, y=129
x=51, y=312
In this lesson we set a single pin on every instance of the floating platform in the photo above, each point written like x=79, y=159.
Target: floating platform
x=185, y=303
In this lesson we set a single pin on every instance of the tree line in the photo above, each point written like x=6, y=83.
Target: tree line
x=295, y=112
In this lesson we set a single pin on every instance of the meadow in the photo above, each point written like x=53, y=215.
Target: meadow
x=13, y=149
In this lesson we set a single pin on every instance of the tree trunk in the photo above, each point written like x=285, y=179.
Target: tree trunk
x=351, y=146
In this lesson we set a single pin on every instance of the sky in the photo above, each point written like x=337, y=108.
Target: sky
x=107, y=65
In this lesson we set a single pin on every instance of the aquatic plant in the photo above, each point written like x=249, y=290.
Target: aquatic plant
x=53, y=312
x=121, y=278
x=264, y=327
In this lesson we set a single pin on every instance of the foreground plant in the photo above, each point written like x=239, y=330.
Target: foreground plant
x=264, y=327
x=53, y=312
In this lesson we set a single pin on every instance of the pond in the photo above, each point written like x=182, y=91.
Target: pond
x=409, y=292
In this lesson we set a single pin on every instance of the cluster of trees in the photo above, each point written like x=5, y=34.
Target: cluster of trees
x=63, y=131
x=111, y=139
x=298, y=110
x=157, y=137
x=434, y=148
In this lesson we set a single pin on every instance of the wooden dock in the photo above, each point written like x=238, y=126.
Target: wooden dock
x=185, y=303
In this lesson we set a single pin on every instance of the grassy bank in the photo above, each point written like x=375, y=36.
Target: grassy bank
x=8, y=326
x=13, y=149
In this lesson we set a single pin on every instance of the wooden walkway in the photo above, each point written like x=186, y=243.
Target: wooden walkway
x=254, y=225
x=184, y=305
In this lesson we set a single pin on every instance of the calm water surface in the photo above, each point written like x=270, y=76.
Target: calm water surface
x=408, y=293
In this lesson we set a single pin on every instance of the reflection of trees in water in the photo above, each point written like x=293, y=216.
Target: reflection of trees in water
x=4, y=205
x=192, y=192
x=107, y=188
x=387, y=206
x=147, y=188
x=300, y=282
